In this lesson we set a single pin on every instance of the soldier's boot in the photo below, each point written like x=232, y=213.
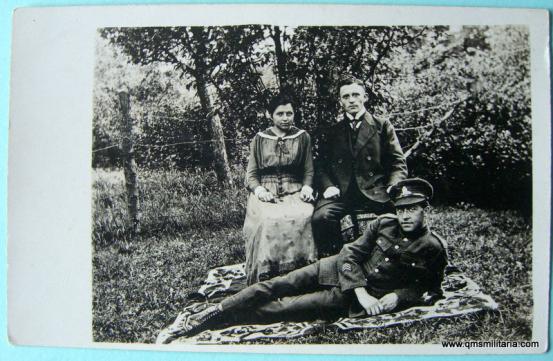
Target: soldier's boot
x=190, y=325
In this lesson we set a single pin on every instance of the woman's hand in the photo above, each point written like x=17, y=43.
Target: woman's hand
x=371, y=305
x=306, y=194
x=264, y=195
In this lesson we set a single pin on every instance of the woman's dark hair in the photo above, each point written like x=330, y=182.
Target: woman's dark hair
x=280, y=99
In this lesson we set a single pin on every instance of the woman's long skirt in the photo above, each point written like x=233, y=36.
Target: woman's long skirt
x=278, y=237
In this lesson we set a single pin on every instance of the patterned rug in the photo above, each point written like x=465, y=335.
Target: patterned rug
x=461, y=296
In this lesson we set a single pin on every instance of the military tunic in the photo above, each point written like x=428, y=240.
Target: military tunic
x=383, y=260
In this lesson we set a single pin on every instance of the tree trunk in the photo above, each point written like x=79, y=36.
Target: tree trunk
x=220, y=159
x=129, y=164
x=280, y=59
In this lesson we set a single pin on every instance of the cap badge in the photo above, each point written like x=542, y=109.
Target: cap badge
x=405, y=192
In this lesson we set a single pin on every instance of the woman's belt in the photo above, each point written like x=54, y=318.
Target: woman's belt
x=280, y=177
x=283, y=170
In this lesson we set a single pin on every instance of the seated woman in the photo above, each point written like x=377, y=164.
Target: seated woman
x=277, y=228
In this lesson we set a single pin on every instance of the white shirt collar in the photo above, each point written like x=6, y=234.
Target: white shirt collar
x=358, y=116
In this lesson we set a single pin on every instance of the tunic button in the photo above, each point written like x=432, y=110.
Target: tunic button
x=387, y=259
x=412, y=264
x=369, y=157
x=396, y=246
x=371, y=174
x=376, y=270
x=405, y=240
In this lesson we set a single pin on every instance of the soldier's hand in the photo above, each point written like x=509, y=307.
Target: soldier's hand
x=370, y=304
x=389, y=302
x=331, y=193
x=375, y=308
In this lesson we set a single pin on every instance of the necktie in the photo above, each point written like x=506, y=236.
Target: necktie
x=354, y=123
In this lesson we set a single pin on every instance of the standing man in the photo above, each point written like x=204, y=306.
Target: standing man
x=360, y=158
x=396, y=261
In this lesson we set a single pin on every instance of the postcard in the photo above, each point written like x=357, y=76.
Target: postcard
x=280, y=178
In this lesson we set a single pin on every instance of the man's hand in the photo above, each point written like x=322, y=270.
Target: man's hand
x=264, y=195
x=331, y=193
x=389, y=302
x=306, y=194
x=371, y=305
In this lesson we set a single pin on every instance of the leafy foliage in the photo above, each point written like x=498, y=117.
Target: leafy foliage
x=482, y=152
x=459, y=97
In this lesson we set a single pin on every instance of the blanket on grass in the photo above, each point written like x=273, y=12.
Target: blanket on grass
x=461, y=296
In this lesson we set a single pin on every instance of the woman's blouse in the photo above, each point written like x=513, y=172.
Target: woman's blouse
x=280, y=164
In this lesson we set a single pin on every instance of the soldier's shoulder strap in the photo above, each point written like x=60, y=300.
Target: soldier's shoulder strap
x=441, y=239
x=387, y=216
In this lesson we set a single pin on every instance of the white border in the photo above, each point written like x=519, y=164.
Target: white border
x=49, y=248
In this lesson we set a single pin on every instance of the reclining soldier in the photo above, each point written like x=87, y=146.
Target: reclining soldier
x=388, y=268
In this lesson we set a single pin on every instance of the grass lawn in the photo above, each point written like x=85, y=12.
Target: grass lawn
x=190, y=225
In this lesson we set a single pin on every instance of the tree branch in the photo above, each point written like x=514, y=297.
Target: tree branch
x=380, y=57
x=428, y=108
x=416, y=36
x=428, y=133
x=179, y=65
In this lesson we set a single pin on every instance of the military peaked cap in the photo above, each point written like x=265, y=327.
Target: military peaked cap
x=411, y=191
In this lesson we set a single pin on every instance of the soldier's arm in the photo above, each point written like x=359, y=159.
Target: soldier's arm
x=436, y=275
x=352, y=257
x=396, y=165
x=408, y=296
x=427, y=279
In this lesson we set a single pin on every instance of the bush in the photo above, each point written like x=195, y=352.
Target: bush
x=414, y=75
x=481, y=153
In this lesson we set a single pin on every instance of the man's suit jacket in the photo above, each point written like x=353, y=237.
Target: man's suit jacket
x=384, y=260
x=375, y=159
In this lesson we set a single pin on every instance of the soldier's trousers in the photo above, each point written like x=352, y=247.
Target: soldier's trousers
x=297, y=296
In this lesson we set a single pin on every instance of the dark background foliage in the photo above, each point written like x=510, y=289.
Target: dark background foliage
x=458, y=97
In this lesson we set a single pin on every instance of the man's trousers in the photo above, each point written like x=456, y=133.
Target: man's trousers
x=297, y=296
x=329, y=212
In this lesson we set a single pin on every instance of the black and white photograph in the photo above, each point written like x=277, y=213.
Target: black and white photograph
x=226, y=157
x=287, y=183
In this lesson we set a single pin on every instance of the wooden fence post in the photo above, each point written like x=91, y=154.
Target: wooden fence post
x=129, y=164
